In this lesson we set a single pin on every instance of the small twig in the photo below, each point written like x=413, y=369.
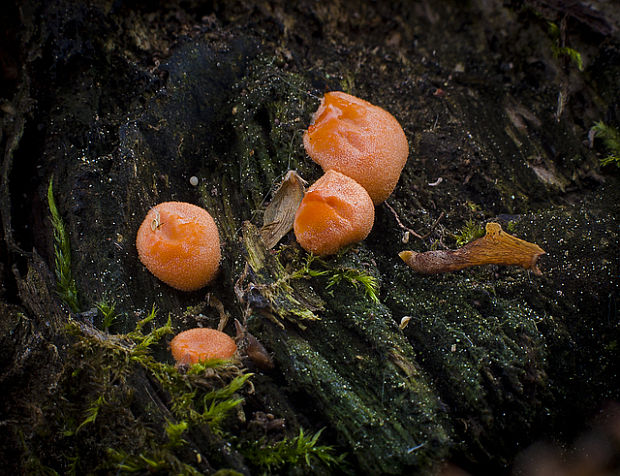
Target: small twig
x=238, y=287
x=409, y=230
x=215, y=303
x=434, y=225
x=415, y=448
x=400, y=223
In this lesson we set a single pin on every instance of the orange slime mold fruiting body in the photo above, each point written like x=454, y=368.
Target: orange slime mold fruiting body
x=179, y=243
x=202, y=344
x=335, y=212
x=360, y=140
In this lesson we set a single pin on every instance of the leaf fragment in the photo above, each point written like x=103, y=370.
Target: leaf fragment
x=280, y=213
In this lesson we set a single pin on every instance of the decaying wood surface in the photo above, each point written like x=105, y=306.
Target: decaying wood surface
x=123, y=104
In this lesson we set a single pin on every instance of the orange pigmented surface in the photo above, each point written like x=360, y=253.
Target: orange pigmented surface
x=201, y=344
x=335, y=212
x=179, y=243
x=360, y=140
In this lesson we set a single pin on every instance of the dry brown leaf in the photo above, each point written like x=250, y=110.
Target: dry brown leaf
x=280, y=213
x=496, y=247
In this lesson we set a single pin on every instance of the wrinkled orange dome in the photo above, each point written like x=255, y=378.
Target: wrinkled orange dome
x=336, y=211
x=178, y=242
x=200, y=344
x=360, y=140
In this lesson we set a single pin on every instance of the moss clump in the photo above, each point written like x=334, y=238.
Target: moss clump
x=107, y=309
x=560, y=50
x=470, y=232
x=302, y=450
x=611, y=140
x=118, y=398
x=67, y=289
x=336, y=275
x=357, y=279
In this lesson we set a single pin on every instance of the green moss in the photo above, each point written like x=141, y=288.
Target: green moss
x=306, y=270
x=217, y=404
x=558, y=50
x=470, y=232
x=107, y=309
x=473, y=207
x=33, y=465
x=67, y=289
x=297, y=452
x=347, y=83
x=91, y=413
x=611, y=140
x=175, y=431
x=357, y=278
x=103, y=379
x=159, y=460
x=337, y=275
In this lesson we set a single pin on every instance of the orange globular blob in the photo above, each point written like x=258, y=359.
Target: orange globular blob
x=360, y=140
x=335, y=212
x=179, y=243
x=202, y=344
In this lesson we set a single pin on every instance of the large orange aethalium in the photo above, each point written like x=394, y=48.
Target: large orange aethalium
x=179, y=243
